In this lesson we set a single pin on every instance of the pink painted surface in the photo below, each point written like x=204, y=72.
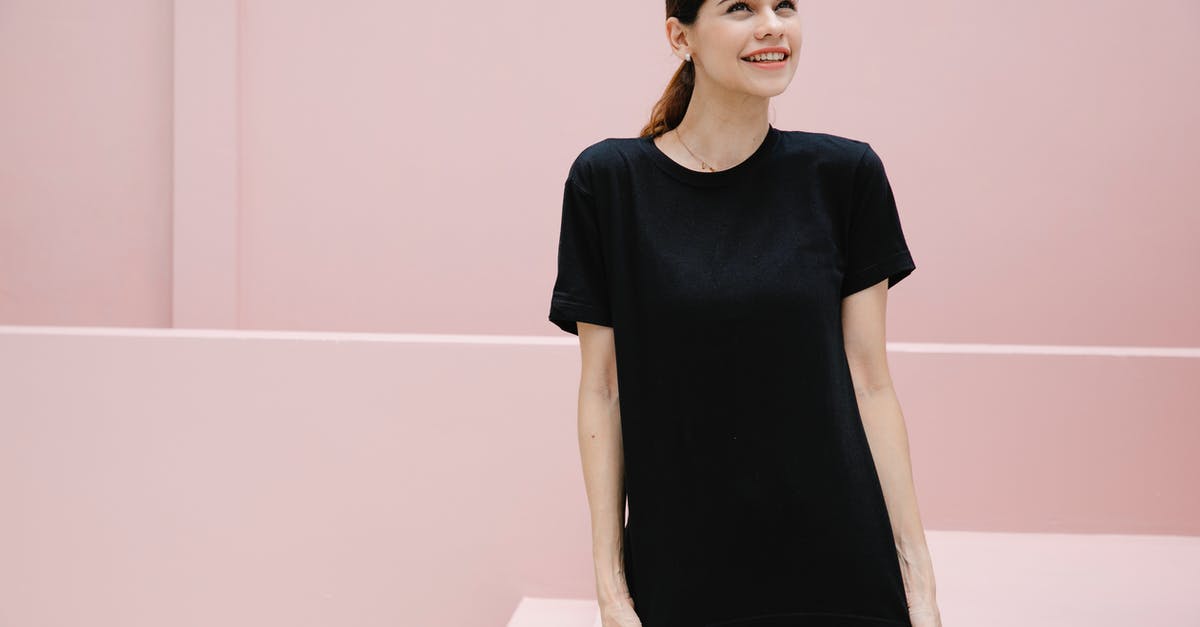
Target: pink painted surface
x=1033, y=580
x=226, y=478
x=300, y=165
x=1042, y=156
x=85, y=162
x=194, y=480
x=205, y=209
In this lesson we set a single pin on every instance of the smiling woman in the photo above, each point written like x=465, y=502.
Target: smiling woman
x=718, y=39
x=706, y=265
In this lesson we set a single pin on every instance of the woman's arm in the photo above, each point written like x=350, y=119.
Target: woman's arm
x=601, y=453
x=863, y=328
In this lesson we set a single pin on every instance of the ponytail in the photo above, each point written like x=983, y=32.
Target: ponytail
x=668, y=111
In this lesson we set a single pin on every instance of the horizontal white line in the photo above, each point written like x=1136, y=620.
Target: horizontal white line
x=1043, y=349
x=535, y=340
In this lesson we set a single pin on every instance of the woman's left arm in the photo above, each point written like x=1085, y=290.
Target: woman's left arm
x=864, y=329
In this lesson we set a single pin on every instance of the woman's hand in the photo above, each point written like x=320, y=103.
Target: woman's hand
x=924, y=615
x=619, y=613
x=916, y=568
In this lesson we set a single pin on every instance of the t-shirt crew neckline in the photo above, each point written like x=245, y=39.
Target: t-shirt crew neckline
x=720, y=177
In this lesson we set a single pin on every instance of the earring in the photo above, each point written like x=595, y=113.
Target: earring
x=689, y=57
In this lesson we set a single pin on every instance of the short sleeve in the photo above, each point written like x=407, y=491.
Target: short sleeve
x=875, y=245
x=580, y=289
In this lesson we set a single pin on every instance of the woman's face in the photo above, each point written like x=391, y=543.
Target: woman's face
x=728, y=31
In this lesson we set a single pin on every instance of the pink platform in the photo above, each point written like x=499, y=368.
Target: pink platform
x=1026, y=579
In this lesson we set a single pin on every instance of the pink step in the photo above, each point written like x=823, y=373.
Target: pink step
x=1026, y=579
x=538, y=612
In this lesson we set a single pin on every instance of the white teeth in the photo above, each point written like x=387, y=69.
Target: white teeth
x=770, y=56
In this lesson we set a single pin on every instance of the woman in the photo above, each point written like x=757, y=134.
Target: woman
x=727, y=281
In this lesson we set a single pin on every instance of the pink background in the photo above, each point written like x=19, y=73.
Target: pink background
x=361, y=171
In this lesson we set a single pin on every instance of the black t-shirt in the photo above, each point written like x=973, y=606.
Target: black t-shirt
x=752, y=493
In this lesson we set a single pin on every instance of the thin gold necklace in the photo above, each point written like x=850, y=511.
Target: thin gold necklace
x=703, y=163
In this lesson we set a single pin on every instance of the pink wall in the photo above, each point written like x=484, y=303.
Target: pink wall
x=309, y=166
x=301, y=165
x=172, y=477
x=85, y=162
x=152, y=478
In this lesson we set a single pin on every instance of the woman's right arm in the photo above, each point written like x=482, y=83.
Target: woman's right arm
x=601, y=454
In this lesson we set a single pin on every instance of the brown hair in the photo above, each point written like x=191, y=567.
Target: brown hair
x=668, y=111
